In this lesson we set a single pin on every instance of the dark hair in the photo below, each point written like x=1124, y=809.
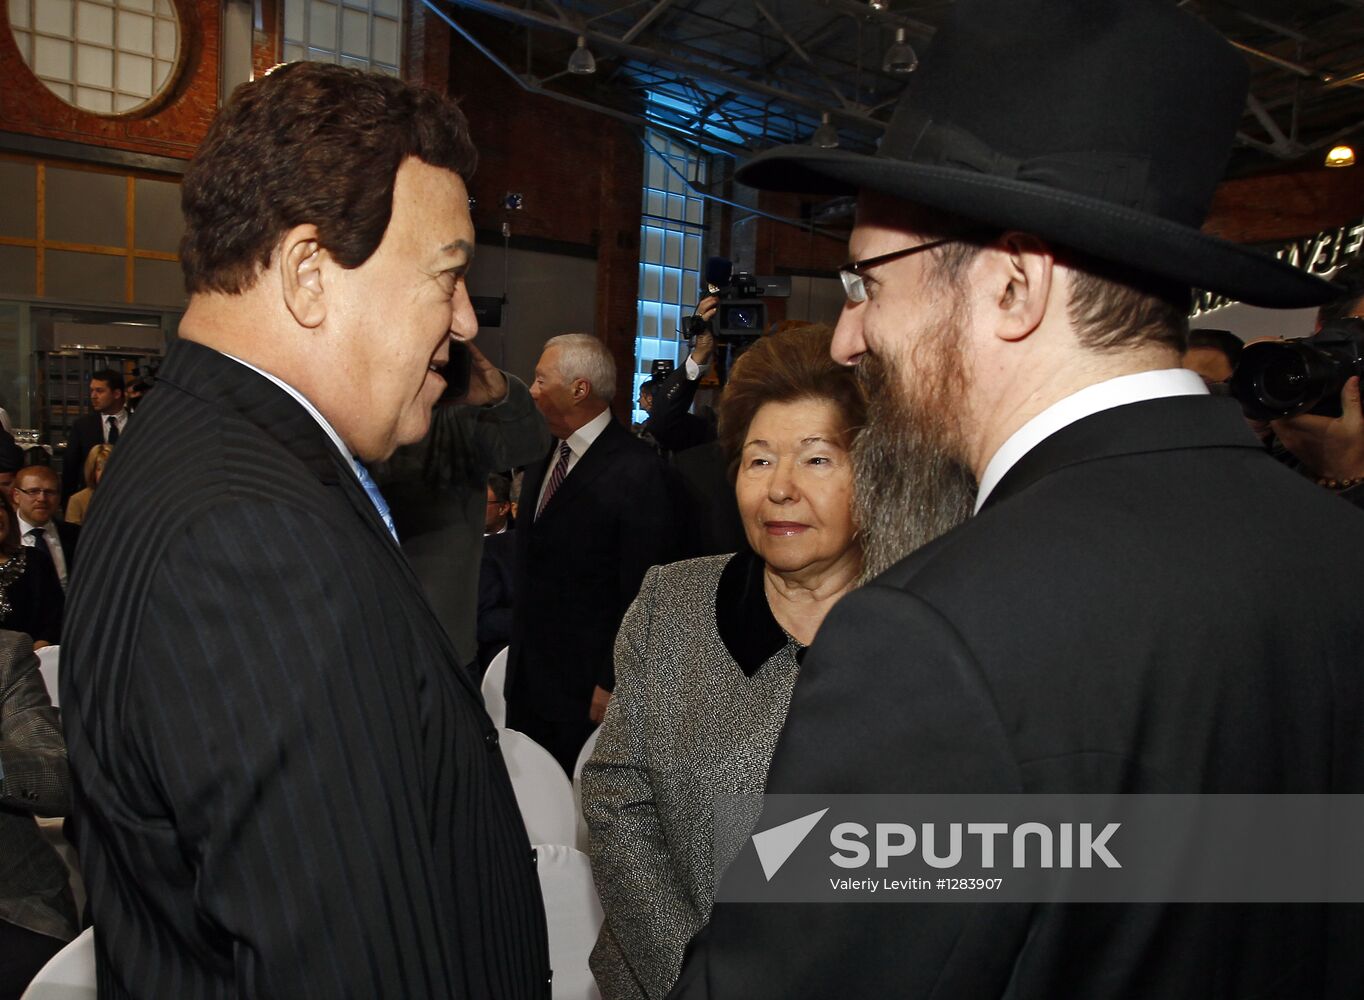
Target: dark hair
x=648, y=385
x=1111, y=306
x=308, y=143
x=1217, y=340
x=111, y=378
x=1350, y=277
x=501, y=487
x=10, y=541
x=781, y=368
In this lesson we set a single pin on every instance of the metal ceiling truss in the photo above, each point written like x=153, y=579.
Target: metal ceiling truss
x=738, y=75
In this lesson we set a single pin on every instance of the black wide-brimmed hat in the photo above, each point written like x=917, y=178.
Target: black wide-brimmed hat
x=1101, y=125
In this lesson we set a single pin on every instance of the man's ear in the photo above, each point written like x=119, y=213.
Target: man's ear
x=300, y=258
x=1021, y=280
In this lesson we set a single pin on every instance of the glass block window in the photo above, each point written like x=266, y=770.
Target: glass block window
x=363, y=34
x=670, y=236
x=110, y=57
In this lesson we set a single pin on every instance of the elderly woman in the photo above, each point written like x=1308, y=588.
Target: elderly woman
x=79, y=503
x=708, y=653
x=31, y=598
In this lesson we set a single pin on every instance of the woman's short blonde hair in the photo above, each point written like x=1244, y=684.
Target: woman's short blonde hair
x=94, y=462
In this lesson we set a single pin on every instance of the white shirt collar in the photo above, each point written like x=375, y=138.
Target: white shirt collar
x=25, y=526
x=581, y=439
x=1090, y=400
x=303, y=401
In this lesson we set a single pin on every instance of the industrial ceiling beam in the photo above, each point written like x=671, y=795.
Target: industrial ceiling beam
x=524, y=16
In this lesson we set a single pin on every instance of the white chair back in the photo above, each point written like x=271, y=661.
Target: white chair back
x=583, y=755
x=494, y=689
x=47, y=658
x=573, y=916
x=543, y=793
x=69, y=974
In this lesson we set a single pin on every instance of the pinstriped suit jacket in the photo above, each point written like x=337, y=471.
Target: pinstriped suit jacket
x=285, y=785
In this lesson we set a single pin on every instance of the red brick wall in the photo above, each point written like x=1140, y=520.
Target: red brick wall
x=173, y=128
x=784, y=249
x=581, y=174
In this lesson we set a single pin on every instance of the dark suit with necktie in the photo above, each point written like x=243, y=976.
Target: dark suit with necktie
x=286, y=785
x=88, y=430
x=1146, y=603
x=579, y=564
x=68, y=535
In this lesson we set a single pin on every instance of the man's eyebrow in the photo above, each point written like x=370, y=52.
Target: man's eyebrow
x=459, y=245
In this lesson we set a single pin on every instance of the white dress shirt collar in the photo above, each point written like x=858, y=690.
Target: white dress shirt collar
x=303, y=401
x=120, y=421
x=54, y=542
x=1090, y=400
x=581, y=439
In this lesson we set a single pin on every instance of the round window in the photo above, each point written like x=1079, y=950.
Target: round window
x=111, y=57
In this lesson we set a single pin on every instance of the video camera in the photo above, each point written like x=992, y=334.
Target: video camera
x=742, y=313
x=1284, y=378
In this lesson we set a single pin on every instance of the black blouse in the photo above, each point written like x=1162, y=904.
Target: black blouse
x=30, y=587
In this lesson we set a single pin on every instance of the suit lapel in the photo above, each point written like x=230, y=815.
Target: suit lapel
x=588, y=468
x=221, y=381
x=1152, y=425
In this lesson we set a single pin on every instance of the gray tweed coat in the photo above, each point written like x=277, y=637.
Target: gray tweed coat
x=35, y=891
x=703, y=680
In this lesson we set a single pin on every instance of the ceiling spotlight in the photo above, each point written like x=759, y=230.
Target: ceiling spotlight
x=1340, y=156
x=582, y=61
x=879, y=5
x=900, y=58
x=826, y=136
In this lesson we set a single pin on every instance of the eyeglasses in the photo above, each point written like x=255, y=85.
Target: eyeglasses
x=852, y=273
x=38, y=491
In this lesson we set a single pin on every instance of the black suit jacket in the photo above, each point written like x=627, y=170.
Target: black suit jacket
x=496, y=594
x=86, y=432
x=70, y=535
x=1147, y=603
x=286, y=784
x=578, y=567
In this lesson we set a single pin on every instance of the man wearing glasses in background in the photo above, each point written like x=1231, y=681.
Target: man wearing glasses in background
x=36, y=494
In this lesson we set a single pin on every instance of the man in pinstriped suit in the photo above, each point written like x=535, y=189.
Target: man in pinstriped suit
x=285, y=784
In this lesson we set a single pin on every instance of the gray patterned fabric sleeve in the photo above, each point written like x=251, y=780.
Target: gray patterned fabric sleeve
x=646, y=904
x=32, y=751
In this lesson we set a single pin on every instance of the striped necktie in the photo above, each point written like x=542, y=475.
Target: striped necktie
x=375, y=497
x=556, y=477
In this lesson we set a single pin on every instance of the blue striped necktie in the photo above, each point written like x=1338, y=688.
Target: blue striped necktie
x=375, y=497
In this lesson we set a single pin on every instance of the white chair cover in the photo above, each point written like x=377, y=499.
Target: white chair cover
x=543, y=793
x=494, y=689
x=583, y=755
x=70, y=974
x=48, y=657
x=573, y=915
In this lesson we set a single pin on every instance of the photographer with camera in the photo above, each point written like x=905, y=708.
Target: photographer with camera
x=1308, y=390
x=671, y=424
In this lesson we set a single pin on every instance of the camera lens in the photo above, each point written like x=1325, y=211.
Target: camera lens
x=1283, y=385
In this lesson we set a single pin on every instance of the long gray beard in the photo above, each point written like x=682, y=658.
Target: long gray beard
x=909, y=486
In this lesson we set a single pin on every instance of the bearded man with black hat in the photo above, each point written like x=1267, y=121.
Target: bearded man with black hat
x=1027, y=236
